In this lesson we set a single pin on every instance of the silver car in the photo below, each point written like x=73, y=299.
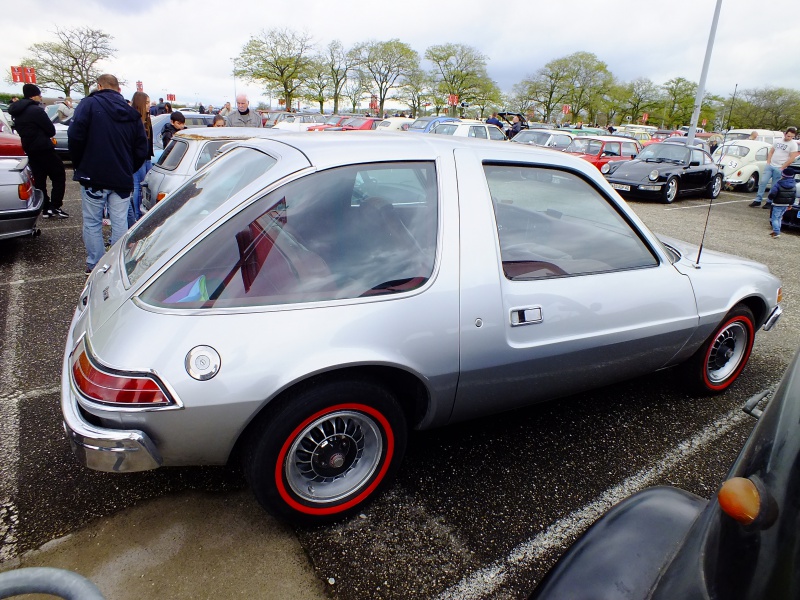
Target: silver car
x=304, y=301
x=188, y=152
x=20, y=202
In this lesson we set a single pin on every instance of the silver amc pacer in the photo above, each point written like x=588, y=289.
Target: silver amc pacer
x=303, y=302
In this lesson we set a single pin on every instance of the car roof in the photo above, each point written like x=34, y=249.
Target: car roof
x=366, y=146
x=231, y=133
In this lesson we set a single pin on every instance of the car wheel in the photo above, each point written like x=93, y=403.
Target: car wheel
x=717, y=364
x=325, y=451
x=714, y=187
x=670, y=191
x=751, y=185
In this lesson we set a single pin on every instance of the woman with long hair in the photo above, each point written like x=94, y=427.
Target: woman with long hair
x=141, y=103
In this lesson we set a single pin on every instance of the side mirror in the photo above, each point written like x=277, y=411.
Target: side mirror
x=694, y=163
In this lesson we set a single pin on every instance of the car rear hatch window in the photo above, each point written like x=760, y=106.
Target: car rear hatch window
x=172, y=155
x=189, y=205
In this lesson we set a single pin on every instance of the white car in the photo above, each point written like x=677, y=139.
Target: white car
x=299, y=122
x=545, y=138
x=470, y=129
x=742, y=162
x=394, y=124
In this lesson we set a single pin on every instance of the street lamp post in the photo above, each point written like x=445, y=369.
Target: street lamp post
x=698, y=101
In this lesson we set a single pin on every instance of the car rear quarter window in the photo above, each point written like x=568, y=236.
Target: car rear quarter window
x=553, y=223
x=208, y=152
x=496, y=134
x=349, y=232
x=477, y=131
x=173, y=155
x=189, y=205
x=445, y=129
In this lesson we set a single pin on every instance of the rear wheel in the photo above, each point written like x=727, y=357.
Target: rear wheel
x=751, y=185
x=326, y=451
x=717, y=364
x=670, y=191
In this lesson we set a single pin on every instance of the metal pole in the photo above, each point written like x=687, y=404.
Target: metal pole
x=698, y=101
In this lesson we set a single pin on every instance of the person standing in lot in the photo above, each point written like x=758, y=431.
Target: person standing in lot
x=243, y=116
x=225, y=110
x=177, y=122
x=516, y=127
x=108, y=144
x=36, y=132
x=140, y=102
x=780, y=156
x=781, y=196
x=65, y=109
x=493, y=120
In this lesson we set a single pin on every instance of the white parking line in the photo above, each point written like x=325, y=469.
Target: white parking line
x=487, y=580
x=9, y=417
x=15, y=281
x=705, y=205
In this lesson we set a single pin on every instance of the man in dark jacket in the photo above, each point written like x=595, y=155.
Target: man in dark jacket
x=108, y=144
x=781, y=196
x=36, y=132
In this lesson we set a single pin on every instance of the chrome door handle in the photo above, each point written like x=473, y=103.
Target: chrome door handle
x=526, y=316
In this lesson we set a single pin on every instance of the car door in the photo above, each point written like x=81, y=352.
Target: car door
x=560, y=291
x=698, y=174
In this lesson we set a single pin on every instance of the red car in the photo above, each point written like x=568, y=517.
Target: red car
x=600, y=150
x=354, y=123
x=332, y=121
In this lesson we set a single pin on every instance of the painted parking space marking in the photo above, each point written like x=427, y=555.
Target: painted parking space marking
x=9, y=416
x=705, y=205
x=484, y=582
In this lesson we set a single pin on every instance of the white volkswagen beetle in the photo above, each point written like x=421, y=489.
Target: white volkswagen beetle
x=304, y=301
x=742, y=163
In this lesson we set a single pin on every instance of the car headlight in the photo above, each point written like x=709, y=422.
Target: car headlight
x=605, y=168
x=653, y=175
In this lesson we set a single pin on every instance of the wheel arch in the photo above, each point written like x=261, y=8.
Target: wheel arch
x=758, y=307
x=410, y=391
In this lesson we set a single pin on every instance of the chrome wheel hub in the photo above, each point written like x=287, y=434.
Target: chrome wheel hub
x=333, y=457
x=727, y=352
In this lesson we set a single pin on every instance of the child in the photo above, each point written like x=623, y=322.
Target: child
x=782, y=197
x=176, y=122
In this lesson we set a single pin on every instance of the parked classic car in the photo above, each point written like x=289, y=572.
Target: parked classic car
x=193, y=120
x=470, y=129
x=742, y=163
x=425, y=124
x=665, y=171
x=300, y=122
x=600, y=150
x=664, y=543
x=546, y=138
x=303, y=302
x=357, y=123
x=395, y=124
x=187, y=153
x=20, y=202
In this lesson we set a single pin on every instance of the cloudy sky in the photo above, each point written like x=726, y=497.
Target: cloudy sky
x=186, y=47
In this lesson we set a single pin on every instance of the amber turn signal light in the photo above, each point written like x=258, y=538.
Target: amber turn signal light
x=740, y=500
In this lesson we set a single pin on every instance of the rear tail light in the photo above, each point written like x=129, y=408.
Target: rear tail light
x=108, y=386
x=25, y=191
x=161, y=196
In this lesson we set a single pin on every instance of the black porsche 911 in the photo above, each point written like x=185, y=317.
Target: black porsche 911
x=665, y=171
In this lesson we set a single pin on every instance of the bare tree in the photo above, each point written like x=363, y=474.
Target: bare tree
x=71, y=62
x=340, y=64
x=355, y=89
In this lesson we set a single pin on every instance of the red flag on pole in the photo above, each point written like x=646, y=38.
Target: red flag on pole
x=16, y=74
x=29, y=74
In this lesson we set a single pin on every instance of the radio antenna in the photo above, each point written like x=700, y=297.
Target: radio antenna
x=719, y=162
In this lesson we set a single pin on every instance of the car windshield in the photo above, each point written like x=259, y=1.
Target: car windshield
x=665, y=153
x=419, y=124
x=585, y=146
x=189, y=205
x=538, y=138
x=355, y=122
x=732, y=150
x=332, y=120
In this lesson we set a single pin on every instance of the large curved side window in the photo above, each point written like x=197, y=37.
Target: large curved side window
x=349, y=232
x=181, y=211
x=553, y=223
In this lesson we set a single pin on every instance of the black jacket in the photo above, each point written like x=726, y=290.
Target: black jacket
x=33, y=126
x=167, y=133
x=783, y=192
x=107, y=142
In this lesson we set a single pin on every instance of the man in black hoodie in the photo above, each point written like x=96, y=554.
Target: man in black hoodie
x=36, y=132
x=108, y=144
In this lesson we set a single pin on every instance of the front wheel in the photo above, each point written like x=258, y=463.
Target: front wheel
x=325, y=451
x=670, y=191
x=717, y=364
x=714, y=187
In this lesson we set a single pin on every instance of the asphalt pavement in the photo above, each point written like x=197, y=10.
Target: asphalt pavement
x=479, y=510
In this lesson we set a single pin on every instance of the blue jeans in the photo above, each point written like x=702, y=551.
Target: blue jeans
x=92, y=203
x=777, y=216
x=771, y=174
x=135, y=213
